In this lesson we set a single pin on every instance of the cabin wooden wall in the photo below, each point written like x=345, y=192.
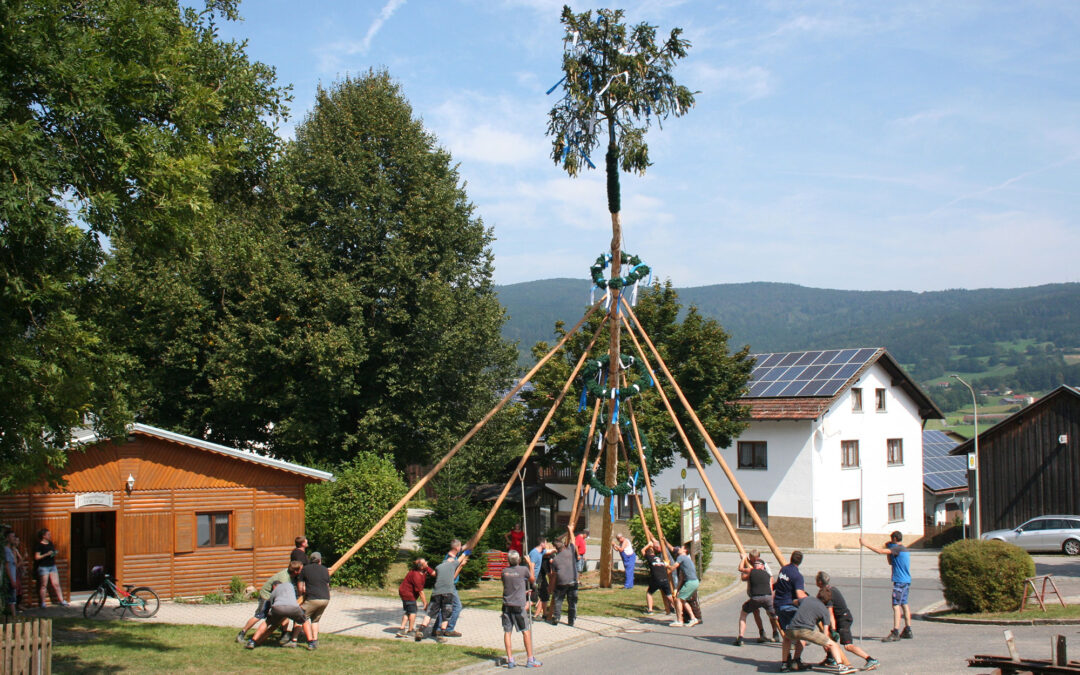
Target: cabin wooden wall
x=155, y=524
x=1025, y=472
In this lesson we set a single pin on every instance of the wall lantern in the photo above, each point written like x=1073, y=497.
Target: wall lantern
x=130, y=482
x=1063, y=439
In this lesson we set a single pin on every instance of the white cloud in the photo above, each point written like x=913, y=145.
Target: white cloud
x=330, y=55
x=750, y=82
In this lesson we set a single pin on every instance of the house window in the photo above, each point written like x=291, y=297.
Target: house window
x=849, y=454
x=896, y=451
x=851, y=512
x=879, y=400
x=753, y=455
x=896, y=508
x=856, y=400
x=212, y=529
x=746, y=521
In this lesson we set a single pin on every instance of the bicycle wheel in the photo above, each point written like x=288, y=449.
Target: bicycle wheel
x=144, y=602
x=94, y=604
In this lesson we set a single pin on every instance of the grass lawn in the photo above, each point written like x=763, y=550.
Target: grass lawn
x=1053, y=611
x=592, y=600
x=128, y=646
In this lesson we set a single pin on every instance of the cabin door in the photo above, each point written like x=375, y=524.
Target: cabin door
x=93, y=543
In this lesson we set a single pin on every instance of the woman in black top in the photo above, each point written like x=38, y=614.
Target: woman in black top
x=45, y=565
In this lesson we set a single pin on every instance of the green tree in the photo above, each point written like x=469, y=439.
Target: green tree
x=123, y=119
x=338, y=513
x=395, y=344
x=670, y=519
x=697, y=353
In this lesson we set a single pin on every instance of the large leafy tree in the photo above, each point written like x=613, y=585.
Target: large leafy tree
x=695, y=348
x=125, y=119
x=395, y=345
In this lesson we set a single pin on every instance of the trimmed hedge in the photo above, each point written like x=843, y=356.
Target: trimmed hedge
x=984, y=576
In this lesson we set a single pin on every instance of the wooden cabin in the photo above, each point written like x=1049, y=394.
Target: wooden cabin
x=172, y=512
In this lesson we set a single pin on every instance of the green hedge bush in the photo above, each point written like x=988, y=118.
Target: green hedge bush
x=340, y=512
x=984, y=576
x=670, y=514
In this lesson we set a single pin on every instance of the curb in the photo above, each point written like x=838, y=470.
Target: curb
x=936, y=614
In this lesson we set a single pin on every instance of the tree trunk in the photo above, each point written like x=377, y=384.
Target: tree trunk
x=611, y=434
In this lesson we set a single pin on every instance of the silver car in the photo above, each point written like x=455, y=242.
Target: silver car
x=1045, y=533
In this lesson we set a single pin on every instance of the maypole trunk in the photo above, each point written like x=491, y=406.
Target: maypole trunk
x=611, y=435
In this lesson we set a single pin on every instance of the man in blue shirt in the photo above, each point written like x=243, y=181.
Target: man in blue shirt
x=900, y=561
x=787, y=591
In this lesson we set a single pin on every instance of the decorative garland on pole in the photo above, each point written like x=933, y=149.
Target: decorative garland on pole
x=630, y=484
x=638, y=271
x=595, y=376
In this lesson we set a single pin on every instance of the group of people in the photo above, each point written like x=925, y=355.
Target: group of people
x=798, y=619
x=15, y=564
x=292, y=600
x=677, y=582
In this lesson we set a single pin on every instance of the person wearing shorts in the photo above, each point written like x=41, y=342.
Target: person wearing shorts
x=658, y=577
x=810, y=616
x=787, y=591
x=289, y=575
x=444, y=593
x=759, y=589
x=48, y=575
x=515, y=607
x=841, y=621
x=411, y=591
x=315, y=587
x=900, y=561
x=688, y=583
x=283, y=607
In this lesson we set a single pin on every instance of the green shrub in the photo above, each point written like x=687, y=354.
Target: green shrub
x=984, y=576
x=670, y=515
x=236, y=588
x=215, y=598
x=340, y=512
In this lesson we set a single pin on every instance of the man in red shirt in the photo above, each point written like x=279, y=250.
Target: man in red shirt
x=411, y=591
x=579, y=542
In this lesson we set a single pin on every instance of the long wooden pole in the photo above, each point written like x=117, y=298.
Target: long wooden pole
x=528, y=451
x=686, y=442
x=465, y=439
x=648, y=489
x=584, y=463
x=709, y=442
x=611, y=440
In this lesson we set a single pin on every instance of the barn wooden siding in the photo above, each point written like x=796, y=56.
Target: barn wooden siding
x=1024, y=470
x=155, y=523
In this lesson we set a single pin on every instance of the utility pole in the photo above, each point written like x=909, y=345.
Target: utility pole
x=975, y=487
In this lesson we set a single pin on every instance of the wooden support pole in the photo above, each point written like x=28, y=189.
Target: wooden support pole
x=689, y=447
x=528, y=451
x=465, y=439
x=648, y=489
x=709, y=442
x=578, y=496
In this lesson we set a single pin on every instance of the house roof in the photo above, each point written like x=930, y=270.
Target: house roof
x=1063, y=390
x=942, y=472
x=155, y=432
x=804, y=385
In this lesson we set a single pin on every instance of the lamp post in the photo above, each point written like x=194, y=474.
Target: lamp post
x=975, y=414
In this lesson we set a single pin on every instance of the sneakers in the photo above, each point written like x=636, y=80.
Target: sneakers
x=786, y=667
x=440, y=639
x=402, y=633
x=829, y=662
x=418, y=635
x=677, y=624
x=797, y=664
x=533, y=663
x=286, y=638
x=893, y=636
x=510, y=663
x=313, y=645
x=451, y=633
x=693, y=622
x=871, y=664
x=241, y=637
x=906, y=633
x=776, y=637
x=845, y=670
x=250, y=644
x=290, y=643
x=739, y=641
x=762, y=639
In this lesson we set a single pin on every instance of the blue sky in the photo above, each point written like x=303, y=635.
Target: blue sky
x=853, y=145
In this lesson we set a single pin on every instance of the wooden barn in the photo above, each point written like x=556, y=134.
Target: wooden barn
x=175, y=513
x=1029, y=463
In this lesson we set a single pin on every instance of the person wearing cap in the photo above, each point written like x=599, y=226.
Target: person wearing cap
x=314, y=585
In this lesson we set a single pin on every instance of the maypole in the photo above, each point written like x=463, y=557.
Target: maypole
x=616, y=79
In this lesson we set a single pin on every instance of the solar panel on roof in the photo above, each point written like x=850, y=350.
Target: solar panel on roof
x=810, y=373
x=942, y=471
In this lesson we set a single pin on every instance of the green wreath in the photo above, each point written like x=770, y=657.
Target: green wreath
x=638, y=271
x=590, y=375
x=627, y=486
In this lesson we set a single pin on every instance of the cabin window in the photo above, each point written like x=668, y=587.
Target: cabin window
x=212, y=529
x=851, y=512
x=896, y=451
x=879, y=400
x=746, y=521
x=753, y=455
x=849, y=454
x=856, y=400
x=896, y=508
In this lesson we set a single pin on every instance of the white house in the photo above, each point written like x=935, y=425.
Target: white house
x=833, y=450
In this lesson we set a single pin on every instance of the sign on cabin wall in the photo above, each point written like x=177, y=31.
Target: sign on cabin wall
x=93, y=499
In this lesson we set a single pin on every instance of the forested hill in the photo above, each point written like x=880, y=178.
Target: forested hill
x=917, y=328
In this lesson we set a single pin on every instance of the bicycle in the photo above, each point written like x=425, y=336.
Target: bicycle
x=141, y=601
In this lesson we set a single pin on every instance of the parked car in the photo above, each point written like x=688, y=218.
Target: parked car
x=1045, y=533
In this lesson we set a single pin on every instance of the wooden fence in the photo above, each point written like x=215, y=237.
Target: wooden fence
x=26, y=647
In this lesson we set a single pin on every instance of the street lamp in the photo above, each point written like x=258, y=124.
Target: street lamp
x=975, y=414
